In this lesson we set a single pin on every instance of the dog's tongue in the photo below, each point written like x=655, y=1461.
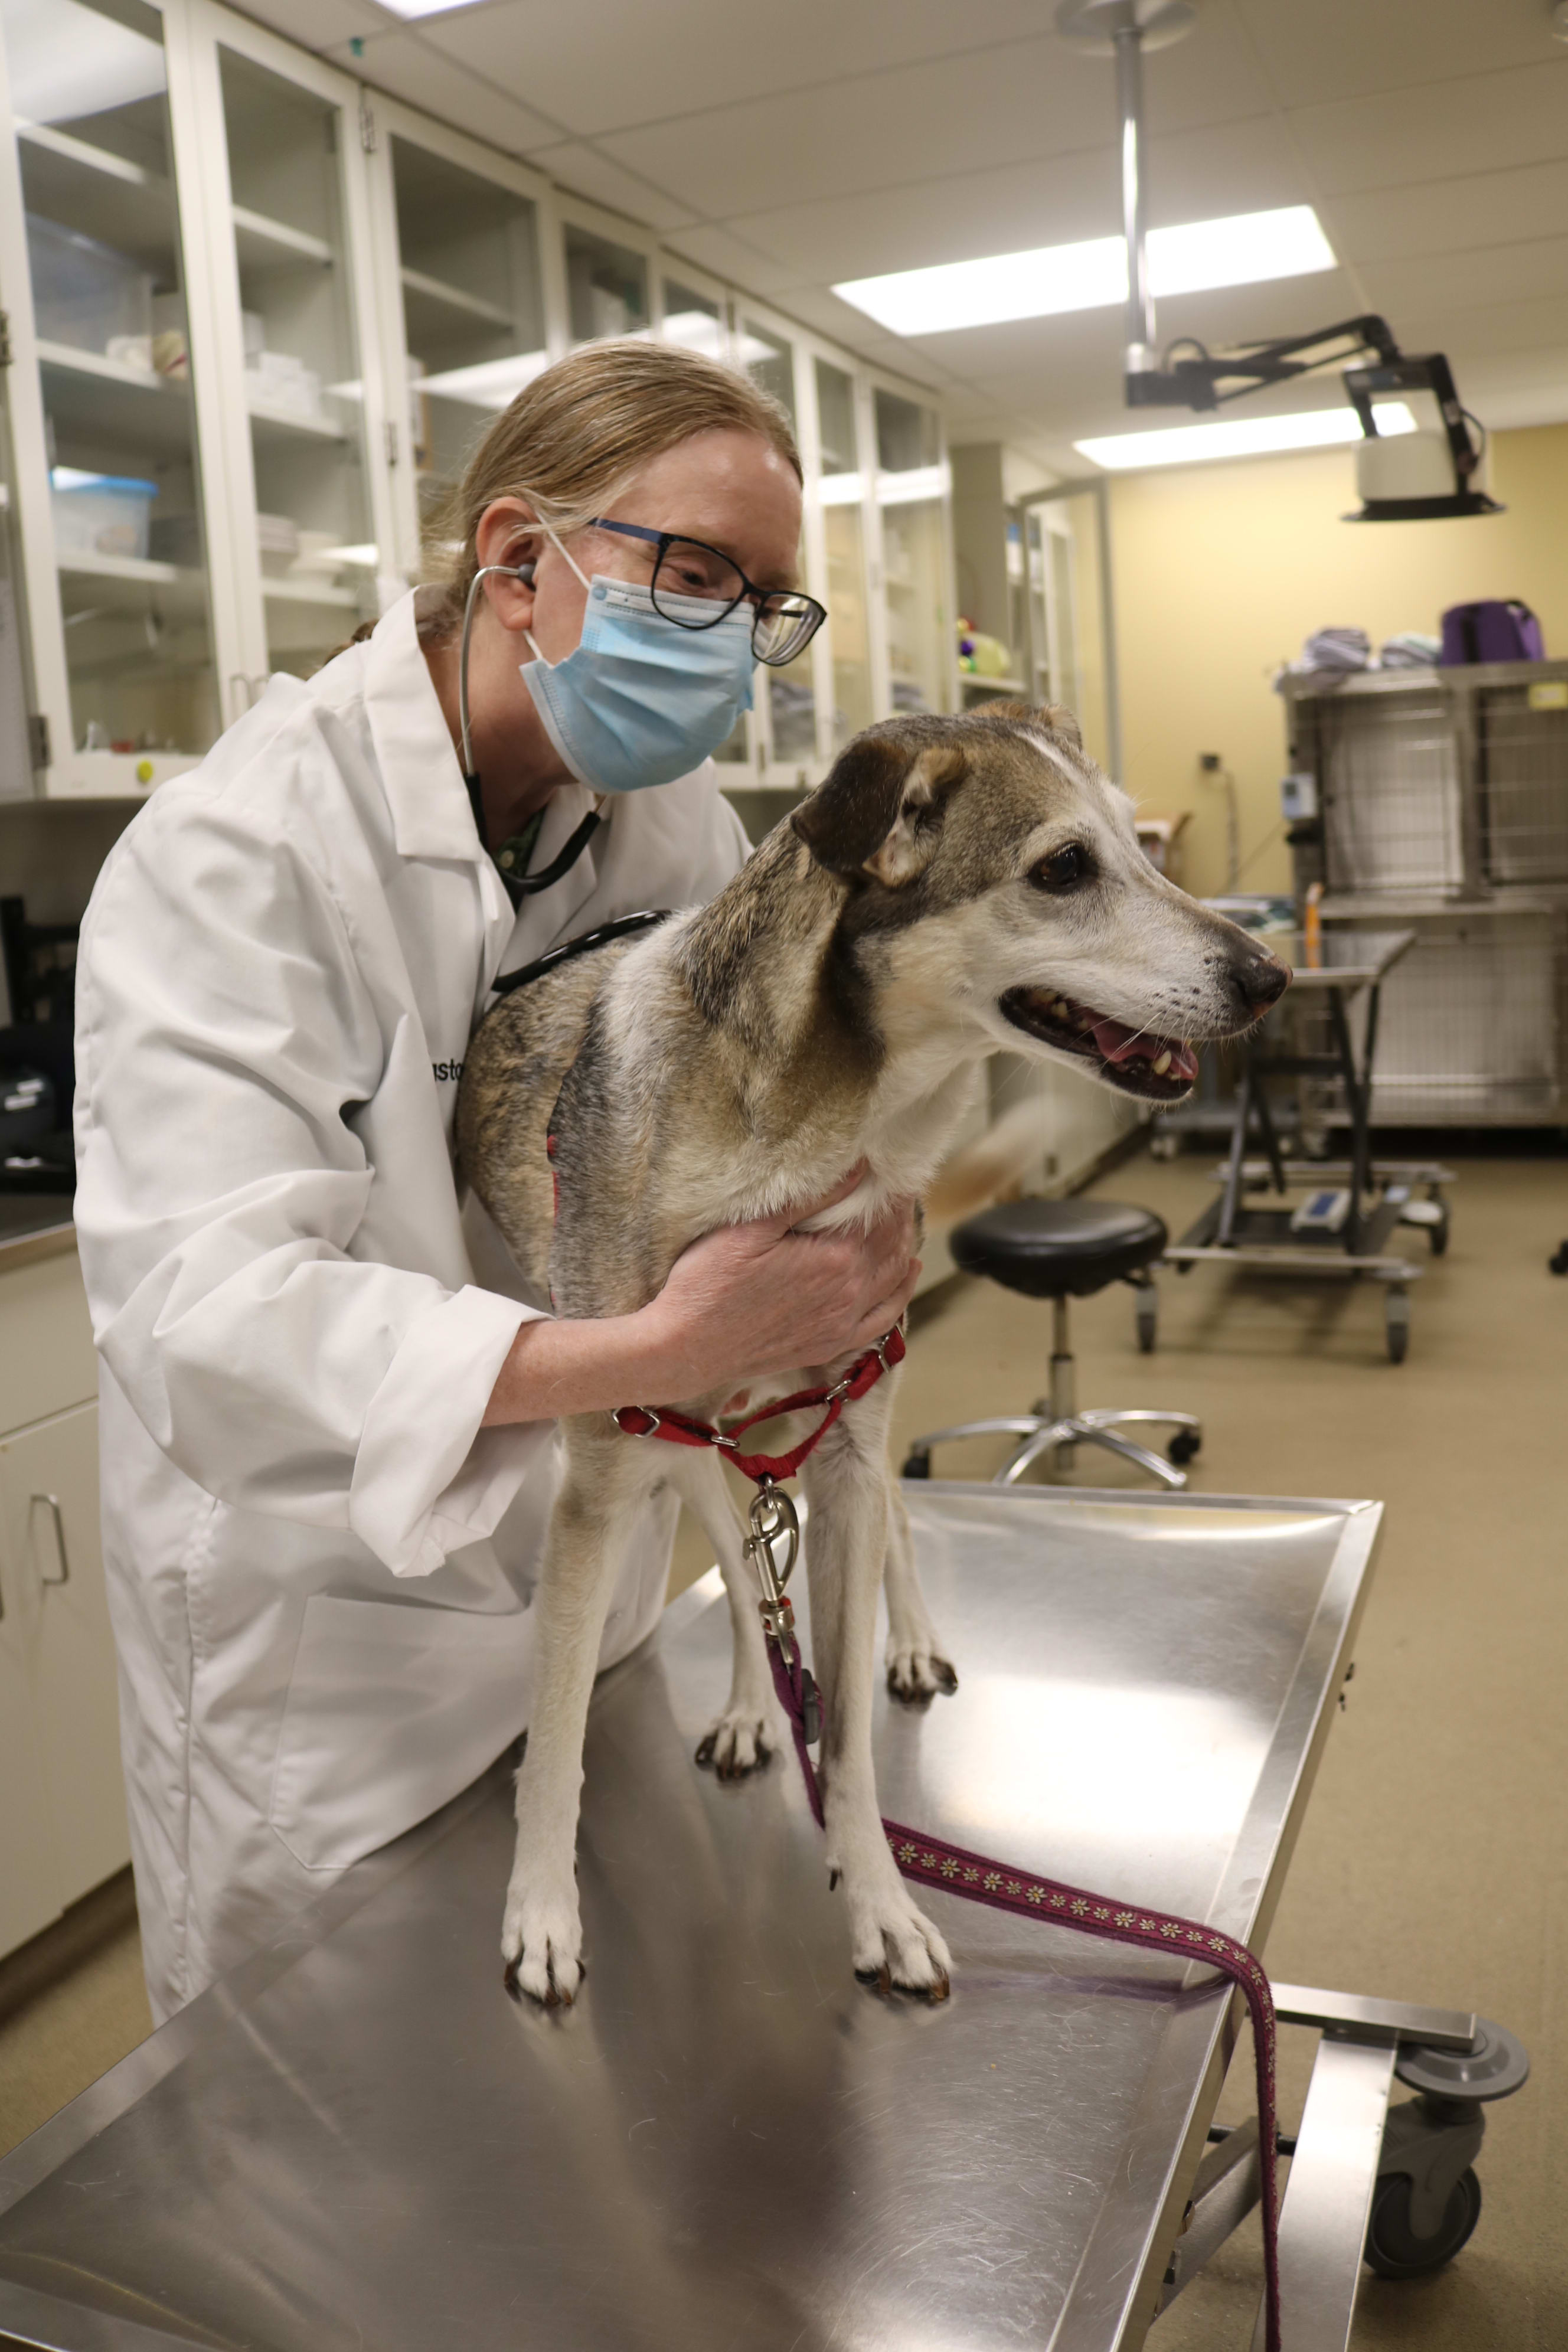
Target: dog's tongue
x=1119, y=1044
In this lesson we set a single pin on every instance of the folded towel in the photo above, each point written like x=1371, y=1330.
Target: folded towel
x=1412, y=649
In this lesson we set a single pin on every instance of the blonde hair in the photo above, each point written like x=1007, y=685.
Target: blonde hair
x=573, y=437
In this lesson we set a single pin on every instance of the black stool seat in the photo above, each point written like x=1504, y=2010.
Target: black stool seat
x=1058, y=1249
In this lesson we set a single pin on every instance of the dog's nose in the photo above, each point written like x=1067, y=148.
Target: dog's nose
x=1259, y=979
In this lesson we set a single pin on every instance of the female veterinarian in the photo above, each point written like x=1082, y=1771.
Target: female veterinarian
x=327, y=1407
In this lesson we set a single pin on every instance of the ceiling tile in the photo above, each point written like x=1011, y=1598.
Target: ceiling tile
x=401, y=63
x=603, y=64
x=1016, y=103
x=1432, y=131
x=729, y=256
x=1343, y=48
x=1480, y=208
x=1240, y=167
x=318, y=24
x=588, y=173
x=1494, y=275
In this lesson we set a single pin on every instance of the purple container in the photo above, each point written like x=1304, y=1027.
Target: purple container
x=1493, y=631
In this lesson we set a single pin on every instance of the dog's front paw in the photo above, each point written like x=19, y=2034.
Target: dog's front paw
x=741, y=1742
x=541, y=1944
x=915, y=1672
x=895, y=1944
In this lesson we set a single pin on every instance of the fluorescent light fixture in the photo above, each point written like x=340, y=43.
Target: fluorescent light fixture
x=840, y=490
x=422, y=8
x=1240, y=251
x=915, y=482
x=1240, y=436
x=489, y=383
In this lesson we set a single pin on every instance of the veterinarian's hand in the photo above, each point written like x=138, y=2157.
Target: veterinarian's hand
x=739, y=1305
x=761, y=1298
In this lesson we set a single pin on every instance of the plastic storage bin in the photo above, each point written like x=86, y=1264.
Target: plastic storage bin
x=99, y=514
x=86, y=295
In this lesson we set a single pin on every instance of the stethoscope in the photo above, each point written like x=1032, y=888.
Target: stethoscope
x=521, y=886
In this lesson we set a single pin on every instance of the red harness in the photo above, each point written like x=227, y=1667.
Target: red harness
x=679, y=1429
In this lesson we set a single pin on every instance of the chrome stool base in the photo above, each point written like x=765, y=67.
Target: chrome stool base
x=1056, y=1426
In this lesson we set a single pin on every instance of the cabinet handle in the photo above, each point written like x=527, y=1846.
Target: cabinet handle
x=53, y=1504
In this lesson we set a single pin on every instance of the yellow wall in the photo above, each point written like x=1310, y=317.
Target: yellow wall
x=1222, y=571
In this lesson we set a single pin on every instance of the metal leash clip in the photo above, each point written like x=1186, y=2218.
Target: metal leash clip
x=773, y=1517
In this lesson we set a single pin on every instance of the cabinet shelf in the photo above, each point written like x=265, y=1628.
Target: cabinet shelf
x=277, y=424
x=122, y=582
x=455, y=301
x=97, y=192
x=101, y=401
x=973, y=683
x=263, y=244
x=309, y=592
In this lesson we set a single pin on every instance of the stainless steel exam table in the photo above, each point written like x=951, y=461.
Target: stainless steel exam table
x=358, y=2143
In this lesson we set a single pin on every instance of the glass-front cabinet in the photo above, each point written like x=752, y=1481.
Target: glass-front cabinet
x=916, y=568
x=304, y=370
x=259, y=316
x=116, y=538
x=466, y=288
x=840, y=490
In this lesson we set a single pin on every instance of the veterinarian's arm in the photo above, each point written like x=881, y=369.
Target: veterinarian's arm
x=739, y=1305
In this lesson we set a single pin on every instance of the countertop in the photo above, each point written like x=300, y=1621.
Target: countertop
x=33, y=1225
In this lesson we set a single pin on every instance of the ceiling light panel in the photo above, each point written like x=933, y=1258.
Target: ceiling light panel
x=1242, y=250
x=1240, y=436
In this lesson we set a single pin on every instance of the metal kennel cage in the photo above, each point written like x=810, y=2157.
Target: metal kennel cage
x=1442, y=799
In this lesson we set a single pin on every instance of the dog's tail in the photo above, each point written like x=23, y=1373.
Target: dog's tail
x=973, y=1177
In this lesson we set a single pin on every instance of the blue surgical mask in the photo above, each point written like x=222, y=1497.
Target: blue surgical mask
x=642, y=700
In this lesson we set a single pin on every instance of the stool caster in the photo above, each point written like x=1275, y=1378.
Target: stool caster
x=916, y=1464
x=1183, y=1447
x=1394, y=2248
x=1396, y=1324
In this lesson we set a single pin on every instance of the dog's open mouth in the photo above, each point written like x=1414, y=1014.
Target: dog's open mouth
x=1160, y=1068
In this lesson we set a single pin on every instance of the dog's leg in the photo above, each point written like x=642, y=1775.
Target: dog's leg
x=602, y=1484
x=750, y=1727
x=846, y=1480
x=916, y=1667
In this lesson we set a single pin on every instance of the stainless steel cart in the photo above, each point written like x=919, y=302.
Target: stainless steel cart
x=359, y=2141
x=1256, y=1219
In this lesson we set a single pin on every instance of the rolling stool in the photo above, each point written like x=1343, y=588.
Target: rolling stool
x=1058, y=1250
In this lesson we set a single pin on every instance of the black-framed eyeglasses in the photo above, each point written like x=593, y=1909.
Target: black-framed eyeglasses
x=783, y=622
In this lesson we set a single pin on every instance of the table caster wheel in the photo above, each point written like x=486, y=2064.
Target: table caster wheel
x=1396, y=1324
x=1393, y=2248
x=916, y=1464
x=1147, y=1311
x=1183, y=1447
x=1557, y=1261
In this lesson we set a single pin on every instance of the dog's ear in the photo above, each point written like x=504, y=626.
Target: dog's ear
x=879, y=809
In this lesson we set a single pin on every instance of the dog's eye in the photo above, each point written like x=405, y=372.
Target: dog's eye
x=1064, y=869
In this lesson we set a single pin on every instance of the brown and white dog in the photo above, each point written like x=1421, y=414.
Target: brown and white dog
x=954, y=887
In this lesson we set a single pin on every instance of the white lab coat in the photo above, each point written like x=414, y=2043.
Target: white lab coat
x=319, y=1564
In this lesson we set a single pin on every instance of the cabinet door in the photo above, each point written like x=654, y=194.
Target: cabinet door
x=305, y=450
x=915, y=567
x=461, y=294
x=30, y=1850
x=110, y=488
x=48, y=1508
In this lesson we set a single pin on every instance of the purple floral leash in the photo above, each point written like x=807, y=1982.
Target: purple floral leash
x=930, y=1860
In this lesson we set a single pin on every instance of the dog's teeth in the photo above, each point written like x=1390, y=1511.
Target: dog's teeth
x=1162, y=1065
